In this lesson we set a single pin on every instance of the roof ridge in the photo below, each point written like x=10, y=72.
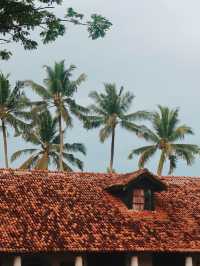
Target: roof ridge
x=37, y=170
x=27, y=171
x=179, y=176
x=99, y=174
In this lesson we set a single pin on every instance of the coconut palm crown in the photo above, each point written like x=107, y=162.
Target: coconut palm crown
x=59, y=92
x=13, y=110
x=46, y=153
x=110, y=110
x=166, y=136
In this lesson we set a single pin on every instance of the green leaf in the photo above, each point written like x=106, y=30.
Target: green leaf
x=73, y=160
x=98, y=26
x=19, y=153
x=5, y=55
x=40, y=90
x=75, y=147
x=105, y=132
x=30, y=162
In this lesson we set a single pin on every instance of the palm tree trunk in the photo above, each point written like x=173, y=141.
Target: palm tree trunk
x=61, y=143
x=112, y=150
x=5, y=144
x=161, y=163
x=42, y=164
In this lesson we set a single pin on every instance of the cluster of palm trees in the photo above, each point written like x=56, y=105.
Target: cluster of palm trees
x=44, y=123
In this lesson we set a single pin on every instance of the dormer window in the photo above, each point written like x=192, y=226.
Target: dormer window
x=137, y=190
x=138, y=199
x=142, y=199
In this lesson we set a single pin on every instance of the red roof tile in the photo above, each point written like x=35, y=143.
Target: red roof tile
x=124, y=179
x=51, y=211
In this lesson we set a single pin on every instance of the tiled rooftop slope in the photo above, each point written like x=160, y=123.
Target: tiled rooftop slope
x=51, y=211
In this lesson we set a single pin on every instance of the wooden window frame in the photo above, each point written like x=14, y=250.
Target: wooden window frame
x=142, y=199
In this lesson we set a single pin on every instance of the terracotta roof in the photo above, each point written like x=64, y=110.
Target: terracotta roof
x=44, y=211
x=134, y=177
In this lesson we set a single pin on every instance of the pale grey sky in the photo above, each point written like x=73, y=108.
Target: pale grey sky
x=153, y=50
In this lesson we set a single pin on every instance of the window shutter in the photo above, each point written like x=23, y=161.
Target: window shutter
x=138, y=199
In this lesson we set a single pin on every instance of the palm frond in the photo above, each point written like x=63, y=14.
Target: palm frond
x=66, y=116
x=50, y=71
x=156, y=124
x=17, y=98
x=42, y=162
x=70, y=69
x=173, y=163
x=139, y=115
x=75, y=108
x=172, y=120
x=91, y=122
x=17, y=124
x=126, y=101
x=94, y=109
x=165, y=121
x=4, y=88
x=79, y=110
x=55, y=160
x=31, y=136
x=75, y=147
x=146, y=155
x=73, y=160
x=30, y=162
x=130, y=126
x=141, y=150
x=140, y=130
x=46, y=127
x=26, y=115
x=188, y=147
x=96, y=97
x=19, y=153
x=40, y=90
x=66, y=167
x=104, y=133
x=180, y=132
x=187, y=152
x=80, y=79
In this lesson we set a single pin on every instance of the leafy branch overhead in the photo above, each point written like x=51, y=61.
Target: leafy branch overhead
x=18, y=20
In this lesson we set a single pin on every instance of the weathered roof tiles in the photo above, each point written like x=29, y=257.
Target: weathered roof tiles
x=43, y=211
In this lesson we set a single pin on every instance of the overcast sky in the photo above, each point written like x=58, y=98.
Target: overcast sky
x=153, y=50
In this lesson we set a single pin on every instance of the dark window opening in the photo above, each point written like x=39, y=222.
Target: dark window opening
x=101, y=259
x=138, y=199
x=149, y=200
x=142, y=199
x=168, y=259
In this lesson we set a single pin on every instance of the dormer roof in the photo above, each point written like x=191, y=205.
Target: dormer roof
x=138, y=179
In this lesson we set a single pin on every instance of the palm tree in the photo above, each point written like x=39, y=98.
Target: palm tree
x=12, y=109
x=59, y=92
x=166, y=136
x=44, y=136
x=109, y=111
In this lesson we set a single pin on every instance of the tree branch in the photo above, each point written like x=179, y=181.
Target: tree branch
x=5, y=40
x=45, y=7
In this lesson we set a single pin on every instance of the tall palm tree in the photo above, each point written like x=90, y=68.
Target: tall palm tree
x=109, y=110
x=44, y=136
x=13, y=103
x=59, y=92
x=166, y=136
